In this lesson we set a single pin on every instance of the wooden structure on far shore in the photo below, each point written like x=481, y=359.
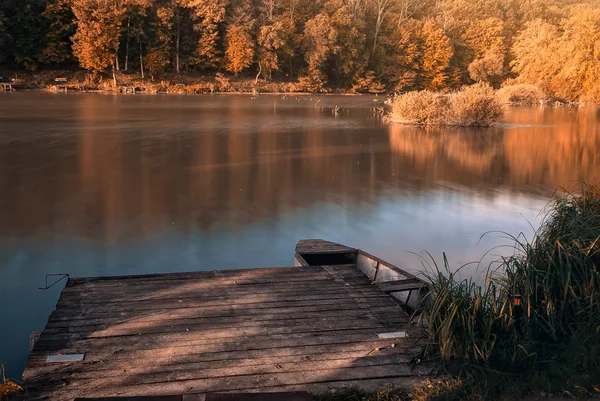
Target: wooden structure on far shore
x=60, y=85
x=330, y=322
x=7, y=87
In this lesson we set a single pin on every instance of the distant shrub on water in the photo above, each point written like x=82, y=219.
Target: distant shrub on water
x=521, y=94
x=473, y=106
x=422, y=107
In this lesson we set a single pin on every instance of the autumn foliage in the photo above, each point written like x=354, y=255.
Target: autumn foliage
x=471, y=106
x=358, y=45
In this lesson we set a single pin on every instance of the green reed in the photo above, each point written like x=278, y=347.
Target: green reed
x=540, y=310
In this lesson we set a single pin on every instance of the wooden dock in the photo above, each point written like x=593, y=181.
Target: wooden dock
x=235, y=331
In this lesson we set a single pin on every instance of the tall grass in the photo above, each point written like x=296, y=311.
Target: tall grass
x=539, y=312
x=473, y=106
x=6, y=386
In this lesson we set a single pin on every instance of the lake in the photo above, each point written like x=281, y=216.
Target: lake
x=95, y=184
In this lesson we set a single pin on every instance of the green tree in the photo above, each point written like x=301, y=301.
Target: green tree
x=208, y=15
x=5, y=39
x=58, y=19
x=24, y=25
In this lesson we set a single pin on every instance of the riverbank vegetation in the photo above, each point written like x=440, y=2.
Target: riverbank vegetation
x=7, y=387
x=532, y=327
x=350, y=45
x=535, y=322
x=474, y=105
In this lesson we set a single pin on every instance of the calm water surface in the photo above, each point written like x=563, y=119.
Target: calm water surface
x=102, y=185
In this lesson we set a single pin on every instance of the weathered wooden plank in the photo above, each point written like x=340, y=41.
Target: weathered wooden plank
x=321, y=246
x=172, y=344
x=177, y=318
x=249, y=359
x=232, y=369
x=182, y=300
x=276, y=272
x=251, y=300
x=130, y=386
x=224, y=323
x=60, y=319
x=232, y=333
x=401, y=285
x=196, y=288
x=349, y=274
x=199, y=312
x=170, y=359
x=108, y=286
x=213, y=331
x=169, y=303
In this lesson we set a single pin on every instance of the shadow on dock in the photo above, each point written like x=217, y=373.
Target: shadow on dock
x=257, y=330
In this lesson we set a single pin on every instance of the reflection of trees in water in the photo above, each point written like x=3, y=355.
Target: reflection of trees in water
x=450, y=154
x=122, y=184
x=560, y=147
x=113, y=176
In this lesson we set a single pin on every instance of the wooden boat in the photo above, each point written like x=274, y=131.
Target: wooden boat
x=406, y=289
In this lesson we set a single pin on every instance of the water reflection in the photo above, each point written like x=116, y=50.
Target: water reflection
x=536, y=151
x=95, y=184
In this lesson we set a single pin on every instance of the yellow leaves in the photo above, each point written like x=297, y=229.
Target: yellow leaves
x=239, y=51
x=8, y=387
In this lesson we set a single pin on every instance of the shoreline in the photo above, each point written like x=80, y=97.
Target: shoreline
x=81, y=81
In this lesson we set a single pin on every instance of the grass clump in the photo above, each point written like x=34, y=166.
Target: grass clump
x=472, y=106
x=521, y=95
x=535, y=322
x=429, y=390
x=7, y=387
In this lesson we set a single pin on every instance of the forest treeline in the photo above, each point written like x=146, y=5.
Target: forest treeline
x=362, y=45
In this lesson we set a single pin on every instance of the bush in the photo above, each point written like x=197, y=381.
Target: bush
x=313, y=82
x=521, y=94
x=474, y=106
x=422, y=107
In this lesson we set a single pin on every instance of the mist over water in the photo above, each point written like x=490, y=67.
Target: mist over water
x=107, y=185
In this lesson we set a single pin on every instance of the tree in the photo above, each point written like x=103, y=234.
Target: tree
x=4, y=38
x=488, y=68
x=271, y=39
x=437, y=52
x=381, y=8
x=208, y=14
x=59, y=29
x=239, y=44
x=319, y=43
x=96, y=41
x=537, y=54
x=24, y=26
x=352, y=56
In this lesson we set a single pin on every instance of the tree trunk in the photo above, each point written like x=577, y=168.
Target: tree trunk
x=177, y=48
x=117, y=62
x=258, y=75
x=127, y=46
x=141, y=60
x=114, y=74
x=377, y=27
